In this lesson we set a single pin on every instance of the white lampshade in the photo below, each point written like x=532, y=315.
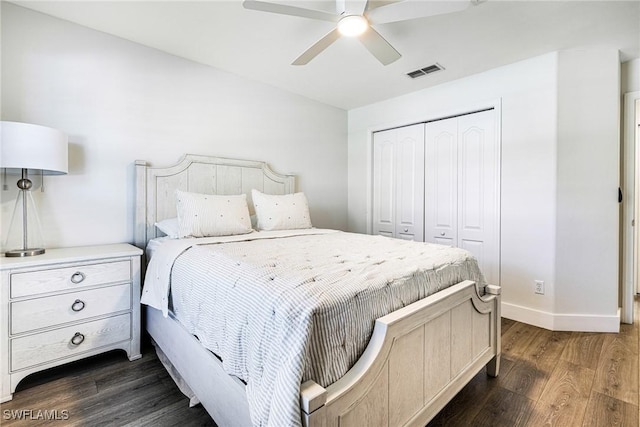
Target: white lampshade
x=27, y=148
x=33, y=147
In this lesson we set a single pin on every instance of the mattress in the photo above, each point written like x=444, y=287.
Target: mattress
x=280, y=308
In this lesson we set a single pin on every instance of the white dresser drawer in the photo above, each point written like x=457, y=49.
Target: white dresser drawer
x=61, y=279
x=54, y=310
x=64, y=342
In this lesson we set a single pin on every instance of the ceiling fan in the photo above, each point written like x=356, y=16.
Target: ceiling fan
x=354, y=18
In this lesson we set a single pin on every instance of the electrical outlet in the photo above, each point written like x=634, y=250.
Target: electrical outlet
x=539, y=287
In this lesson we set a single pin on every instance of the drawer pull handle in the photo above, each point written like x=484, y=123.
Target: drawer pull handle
x=442, y=234
x=77, y=339
x=78, y=305
x=77, y=277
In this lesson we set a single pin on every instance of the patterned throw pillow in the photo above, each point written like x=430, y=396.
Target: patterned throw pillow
x=281, y=212
x=205, y=215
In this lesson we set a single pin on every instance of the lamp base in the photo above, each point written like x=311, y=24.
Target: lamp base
x=24, y=252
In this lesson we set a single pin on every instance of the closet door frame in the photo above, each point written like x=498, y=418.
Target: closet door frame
x=495, y=104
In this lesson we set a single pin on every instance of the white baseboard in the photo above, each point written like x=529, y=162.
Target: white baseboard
x=562, y=322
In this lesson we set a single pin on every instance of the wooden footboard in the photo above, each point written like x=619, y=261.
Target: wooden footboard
x=418, y=358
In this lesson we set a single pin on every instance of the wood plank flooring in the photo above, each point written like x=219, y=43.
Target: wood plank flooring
x=563, y=379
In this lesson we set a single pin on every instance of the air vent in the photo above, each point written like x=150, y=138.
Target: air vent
x=424, y=71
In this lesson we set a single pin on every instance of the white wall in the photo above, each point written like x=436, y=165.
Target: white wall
x=120, y=101
x=630, y=76
x=528, y=91
x=587, y=219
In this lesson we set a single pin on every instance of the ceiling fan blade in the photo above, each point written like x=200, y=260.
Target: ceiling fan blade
x=283, y=9
x=379, y=47
x=374, y=4
x=317, y=48
x=412, y=9
x=356, y=7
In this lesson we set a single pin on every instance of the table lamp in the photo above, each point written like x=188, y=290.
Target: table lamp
x=27, y=149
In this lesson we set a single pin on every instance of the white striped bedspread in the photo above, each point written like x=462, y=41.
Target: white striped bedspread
x=280, y=308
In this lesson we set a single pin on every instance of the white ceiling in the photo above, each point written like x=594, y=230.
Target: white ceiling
x=261, y=46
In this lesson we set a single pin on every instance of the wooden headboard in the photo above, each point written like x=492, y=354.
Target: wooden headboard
x=156, y=186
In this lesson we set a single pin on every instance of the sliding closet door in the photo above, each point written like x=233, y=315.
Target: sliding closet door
x=441, y=182
x=384, y=183
x=461, y=187
x=398, y=182
x=478, y=191
x=410, y=183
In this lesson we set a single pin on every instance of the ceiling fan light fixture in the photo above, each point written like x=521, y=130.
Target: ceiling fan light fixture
x=353, y=25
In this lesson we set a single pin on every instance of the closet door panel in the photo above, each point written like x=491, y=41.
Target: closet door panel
x=478, y=190
x=477, y=248
x=470, y=194
x=410, y=189
x=442, y=241
x=384, y=169
x=441, y=182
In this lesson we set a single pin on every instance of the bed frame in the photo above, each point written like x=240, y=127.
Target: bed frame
x=418, y=359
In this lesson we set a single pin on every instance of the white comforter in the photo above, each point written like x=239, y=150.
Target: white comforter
x=280, y=308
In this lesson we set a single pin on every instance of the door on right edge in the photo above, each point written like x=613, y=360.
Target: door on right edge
x=462, y=187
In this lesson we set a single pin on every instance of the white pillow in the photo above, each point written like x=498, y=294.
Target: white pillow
x=204, y=215
x=169, y=227
x=286, y=212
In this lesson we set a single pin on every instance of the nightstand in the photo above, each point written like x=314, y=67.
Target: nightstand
x=65, y=305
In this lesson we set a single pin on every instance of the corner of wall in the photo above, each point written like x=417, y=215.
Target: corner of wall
x=587, y=212
x=630, y=76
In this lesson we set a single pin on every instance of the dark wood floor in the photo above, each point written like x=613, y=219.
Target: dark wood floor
x=563, y=379
x=547, y=378
x=105, y=390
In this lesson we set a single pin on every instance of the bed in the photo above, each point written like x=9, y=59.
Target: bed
x=417, y=358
